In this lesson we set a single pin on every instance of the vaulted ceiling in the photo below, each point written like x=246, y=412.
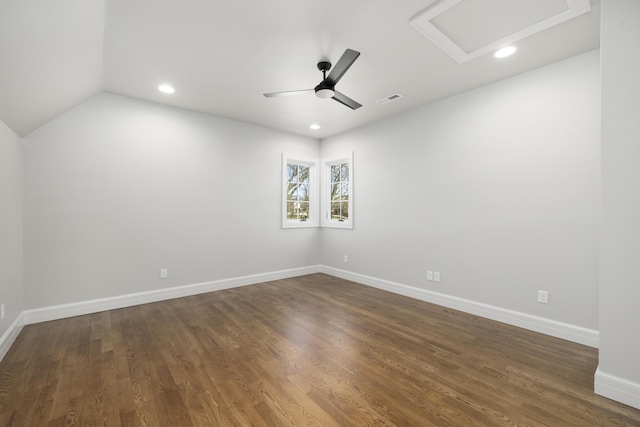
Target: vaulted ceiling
x=222, y=55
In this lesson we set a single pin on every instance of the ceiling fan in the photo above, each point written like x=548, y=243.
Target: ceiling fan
x=326, y=88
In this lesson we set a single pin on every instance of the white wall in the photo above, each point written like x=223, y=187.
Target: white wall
x=11, y=254
x=619, y=369
x=117, y=189
x=497, y=189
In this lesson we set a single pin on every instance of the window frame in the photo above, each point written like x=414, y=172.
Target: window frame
x=325, y=185
x=312, y=163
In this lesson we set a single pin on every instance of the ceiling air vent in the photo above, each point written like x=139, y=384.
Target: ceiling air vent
x=388, y=99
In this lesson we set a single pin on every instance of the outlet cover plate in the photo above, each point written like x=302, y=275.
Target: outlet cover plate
x=543, y=297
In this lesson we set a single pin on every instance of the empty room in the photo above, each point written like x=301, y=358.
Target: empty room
x=346, y=213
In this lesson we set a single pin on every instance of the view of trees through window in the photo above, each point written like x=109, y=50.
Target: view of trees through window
x=340, y=192
x=297, y=192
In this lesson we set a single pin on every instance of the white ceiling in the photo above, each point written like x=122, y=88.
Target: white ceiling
x=222, y=55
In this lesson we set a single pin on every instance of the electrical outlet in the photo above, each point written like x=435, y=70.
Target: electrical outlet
x=164, y=273
x=2, y=314
x=543, y=297
x=346, y=258
x=436, y=276
x=429, y=275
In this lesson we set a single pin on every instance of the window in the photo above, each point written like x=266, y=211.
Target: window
x=300, y=183
x=299, y=192
x=337, y=191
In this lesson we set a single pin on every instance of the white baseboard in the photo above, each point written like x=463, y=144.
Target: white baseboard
x=616, y=388
x=93, y=306
x=10, y=335
x=550, y=327
x=553, y=328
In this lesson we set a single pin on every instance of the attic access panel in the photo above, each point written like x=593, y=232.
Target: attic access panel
x=454, y=26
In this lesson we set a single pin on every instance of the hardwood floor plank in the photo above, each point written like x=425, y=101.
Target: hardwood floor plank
x=308, y=351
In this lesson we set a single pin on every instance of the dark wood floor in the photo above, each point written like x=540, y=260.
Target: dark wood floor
x=314, y=350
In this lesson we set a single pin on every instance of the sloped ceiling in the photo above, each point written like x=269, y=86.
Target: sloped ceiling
x=222, y=55
x=51, y=58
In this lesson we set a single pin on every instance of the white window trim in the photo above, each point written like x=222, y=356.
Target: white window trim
x=325, y=185
x=312, y=221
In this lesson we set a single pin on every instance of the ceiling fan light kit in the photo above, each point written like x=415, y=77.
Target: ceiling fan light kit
x=325, y=93
x=326, y=88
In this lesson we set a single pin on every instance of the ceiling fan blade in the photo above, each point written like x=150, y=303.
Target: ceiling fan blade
x=288, y=93
x=344, y=63
x=345, y=100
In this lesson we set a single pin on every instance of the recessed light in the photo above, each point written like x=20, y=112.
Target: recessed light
x=314, y=126
x=505, y=51
x=166, y=89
